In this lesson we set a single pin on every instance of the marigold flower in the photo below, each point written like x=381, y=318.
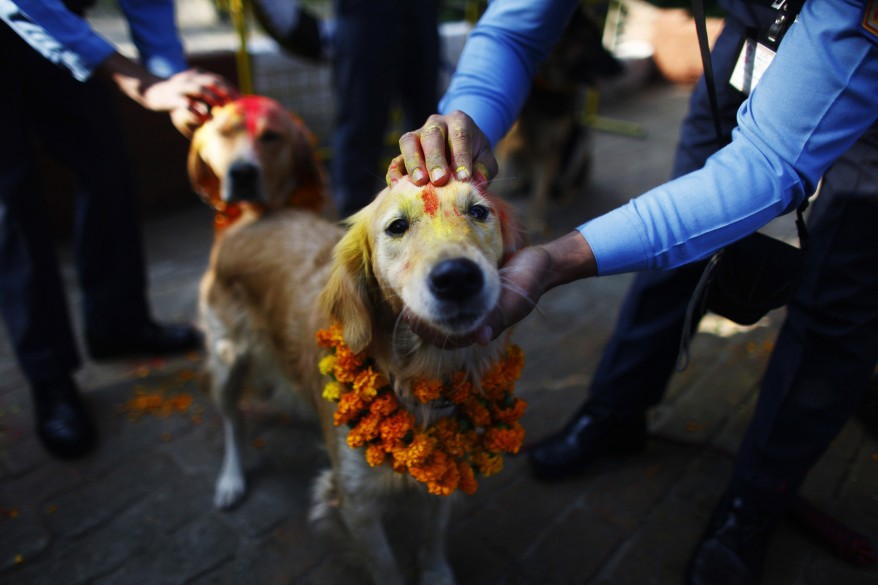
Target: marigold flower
x=512, y=413
x=427, y=390
x=332, y=391
x=468, y=483
x=447, y=454
x=350, y=406
x=375, y=455
x=417, y=452
x=506, y=440
x=367, y=382
x=396, y=426
x=364, y=431
x=326, y=364
x=476, y=412
x=487, y=463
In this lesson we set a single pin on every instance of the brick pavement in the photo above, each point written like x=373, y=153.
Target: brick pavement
x=139, y=510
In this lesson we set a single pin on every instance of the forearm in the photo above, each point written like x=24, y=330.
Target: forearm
x=814, y=101
x=132, y=79
x=501, y=56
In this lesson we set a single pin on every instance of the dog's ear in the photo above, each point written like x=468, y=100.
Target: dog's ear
x=346, y=298
x=511, y=228
x=202, y=178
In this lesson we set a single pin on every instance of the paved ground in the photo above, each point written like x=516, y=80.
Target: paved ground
x=139, y=510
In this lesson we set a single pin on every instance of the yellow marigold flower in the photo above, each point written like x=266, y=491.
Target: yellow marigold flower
x=327, y=364
x=427, y=390
x=332, y=391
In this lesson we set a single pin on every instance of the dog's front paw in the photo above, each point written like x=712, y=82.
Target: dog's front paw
x=229, y=491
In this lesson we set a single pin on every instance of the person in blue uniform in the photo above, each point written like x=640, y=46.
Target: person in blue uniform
x=812, y=115
x=56, y=89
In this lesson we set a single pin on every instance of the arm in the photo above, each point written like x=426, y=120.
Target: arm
x=491, y=82
x=814, y=101
x=154, y=32
x=67, y=40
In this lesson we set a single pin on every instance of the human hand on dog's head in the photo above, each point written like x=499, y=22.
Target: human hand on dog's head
x=526, y=276
x=453, y=138
x=187, y=96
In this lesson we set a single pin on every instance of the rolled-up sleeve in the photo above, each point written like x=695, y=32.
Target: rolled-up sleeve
x=815, y=100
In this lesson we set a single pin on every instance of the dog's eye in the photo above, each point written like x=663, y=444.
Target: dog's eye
x=397, y=228
x=269, y=136
x=479, y=212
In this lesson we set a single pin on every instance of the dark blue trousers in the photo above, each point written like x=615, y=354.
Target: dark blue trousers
x=386, y=52
x=828, y=345
x=75, y=123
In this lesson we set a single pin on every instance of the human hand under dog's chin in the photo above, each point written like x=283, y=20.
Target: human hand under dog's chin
x=445, y=141
x=524, y=277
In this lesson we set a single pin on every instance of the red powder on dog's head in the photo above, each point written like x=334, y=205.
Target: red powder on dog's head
x=254, y=108
x=430, y=199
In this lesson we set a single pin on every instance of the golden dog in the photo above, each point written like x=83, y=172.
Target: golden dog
x=277, y=284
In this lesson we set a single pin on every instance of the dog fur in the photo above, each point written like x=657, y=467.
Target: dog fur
x=276, y=278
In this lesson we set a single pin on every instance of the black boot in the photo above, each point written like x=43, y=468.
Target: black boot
x=732, y=550
x=149, y=339
x=590, y=436
x=63, y=425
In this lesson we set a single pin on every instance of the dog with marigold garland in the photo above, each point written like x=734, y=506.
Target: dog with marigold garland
x=294, y=302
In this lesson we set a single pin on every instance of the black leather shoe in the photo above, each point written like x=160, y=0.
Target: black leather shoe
x=732, y=550
x=63, y=425
x=587, y=438
x=149, y=339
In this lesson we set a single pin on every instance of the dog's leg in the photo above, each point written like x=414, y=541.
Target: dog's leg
x=227, y=384
x=431, y=552
x=361, y=514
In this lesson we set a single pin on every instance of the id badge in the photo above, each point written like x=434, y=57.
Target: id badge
x=752, y=63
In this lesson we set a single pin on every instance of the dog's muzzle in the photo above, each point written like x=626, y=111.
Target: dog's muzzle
x=243, y=183
x=458, y=286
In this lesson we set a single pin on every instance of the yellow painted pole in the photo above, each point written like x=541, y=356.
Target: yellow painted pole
x=238, y=12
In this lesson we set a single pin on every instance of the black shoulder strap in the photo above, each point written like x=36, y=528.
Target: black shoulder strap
x=707, y=63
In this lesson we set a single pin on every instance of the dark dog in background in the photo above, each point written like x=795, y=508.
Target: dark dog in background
x=548, y=151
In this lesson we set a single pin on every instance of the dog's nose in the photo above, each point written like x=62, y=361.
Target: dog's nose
x=243, y=173
x=457, y=279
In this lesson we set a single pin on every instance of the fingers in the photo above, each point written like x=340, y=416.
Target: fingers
x=396, y=170
x=433, y=139
x=412, y=158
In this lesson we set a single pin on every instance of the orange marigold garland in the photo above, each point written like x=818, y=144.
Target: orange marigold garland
x=447, y=454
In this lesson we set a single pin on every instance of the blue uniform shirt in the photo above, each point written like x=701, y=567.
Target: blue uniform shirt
x=67, y=40
x=817, y=97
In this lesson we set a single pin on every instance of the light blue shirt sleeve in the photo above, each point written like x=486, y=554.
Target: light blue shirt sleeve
x=814, y=101
x=69, y=41
x=501, y=56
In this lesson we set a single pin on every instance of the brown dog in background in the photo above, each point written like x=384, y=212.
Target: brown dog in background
x=276, y=278
x=548, y=152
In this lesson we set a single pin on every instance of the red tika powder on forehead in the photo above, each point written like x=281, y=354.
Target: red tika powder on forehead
x=253, y=108
x=430, y=199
